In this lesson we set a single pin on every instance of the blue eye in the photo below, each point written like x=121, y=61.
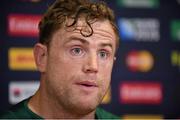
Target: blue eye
x=77, y=51
x=103, y=54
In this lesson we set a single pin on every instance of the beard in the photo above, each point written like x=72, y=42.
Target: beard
x=70, y=99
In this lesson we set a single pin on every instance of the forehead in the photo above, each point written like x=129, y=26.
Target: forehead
x=98, y=28
x=102, y=33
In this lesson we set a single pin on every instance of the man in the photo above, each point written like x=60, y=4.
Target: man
x=75, y=56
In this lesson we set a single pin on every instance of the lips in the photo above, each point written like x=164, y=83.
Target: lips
x=87, y=87
x=87, y=84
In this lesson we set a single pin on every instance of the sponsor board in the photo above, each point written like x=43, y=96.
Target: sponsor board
x=142, y=117
x=107, y=97
x=139, y=61
x=23, y=25
x=138, y=3
x=20, y=90
x=139, y=29
x=140, y=93
x=175, y=58
x=21, y=59
x=175, y=30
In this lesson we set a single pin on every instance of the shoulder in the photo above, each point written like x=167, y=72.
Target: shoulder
x=102, y=114
x=14, y=111
x=19, y=111
x=8, y=115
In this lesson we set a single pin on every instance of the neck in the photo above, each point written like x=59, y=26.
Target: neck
x=46, y=106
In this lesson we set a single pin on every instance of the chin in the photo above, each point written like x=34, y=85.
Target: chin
x=85, y=109
x=86, y=105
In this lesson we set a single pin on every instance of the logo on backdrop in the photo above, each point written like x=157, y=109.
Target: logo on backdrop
x=175, y=59
x=175, y=30
x=138, y=3
x=19, y=91
x=140, y=93
x=139, y=61
x=142, y=117
x=22, y=25
x=21, y=59
x=139, y=29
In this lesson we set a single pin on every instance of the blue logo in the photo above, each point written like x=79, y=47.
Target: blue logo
x=126, y=29
x=139, y=29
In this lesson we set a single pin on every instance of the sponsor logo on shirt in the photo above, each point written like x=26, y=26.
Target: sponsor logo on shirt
x=21, y=59
x=139, y=29
x=20, y=90
x=22, y=25
x=139, y=61
x=140, y=93
x=138, y=3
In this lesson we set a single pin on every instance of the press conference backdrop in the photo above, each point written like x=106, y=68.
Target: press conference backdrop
x=146, y=74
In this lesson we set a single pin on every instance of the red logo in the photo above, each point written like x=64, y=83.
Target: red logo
x=16, y=92
x=140, y=93
x=23, y=25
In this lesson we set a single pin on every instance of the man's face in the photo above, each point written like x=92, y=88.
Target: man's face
x=78, y=70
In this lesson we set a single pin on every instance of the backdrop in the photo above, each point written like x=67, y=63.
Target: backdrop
x=146, y=74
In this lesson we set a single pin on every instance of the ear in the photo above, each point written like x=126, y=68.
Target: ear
x=114, y=58
x=40, y=56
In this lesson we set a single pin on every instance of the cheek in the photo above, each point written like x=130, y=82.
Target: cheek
x=106, y=69
x=61, y=68
x=105, y=76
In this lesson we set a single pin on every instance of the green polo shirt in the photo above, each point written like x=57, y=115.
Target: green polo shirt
x=21, y=111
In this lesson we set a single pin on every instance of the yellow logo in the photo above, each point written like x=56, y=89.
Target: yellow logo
x=21, y=59
x=142, y=117
x=175, y=58
x=145, y=61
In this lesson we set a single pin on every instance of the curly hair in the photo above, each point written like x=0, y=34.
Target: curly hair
x=67, y=12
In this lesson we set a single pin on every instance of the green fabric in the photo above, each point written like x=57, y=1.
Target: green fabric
x=21, y=111
x=102, y=114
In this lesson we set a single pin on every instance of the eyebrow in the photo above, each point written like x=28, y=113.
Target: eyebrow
x=106, y=44
x=73, y=38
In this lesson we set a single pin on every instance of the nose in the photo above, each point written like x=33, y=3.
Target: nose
x=91, y=64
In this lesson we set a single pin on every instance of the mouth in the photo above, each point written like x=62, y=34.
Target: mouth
x=87, y=85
